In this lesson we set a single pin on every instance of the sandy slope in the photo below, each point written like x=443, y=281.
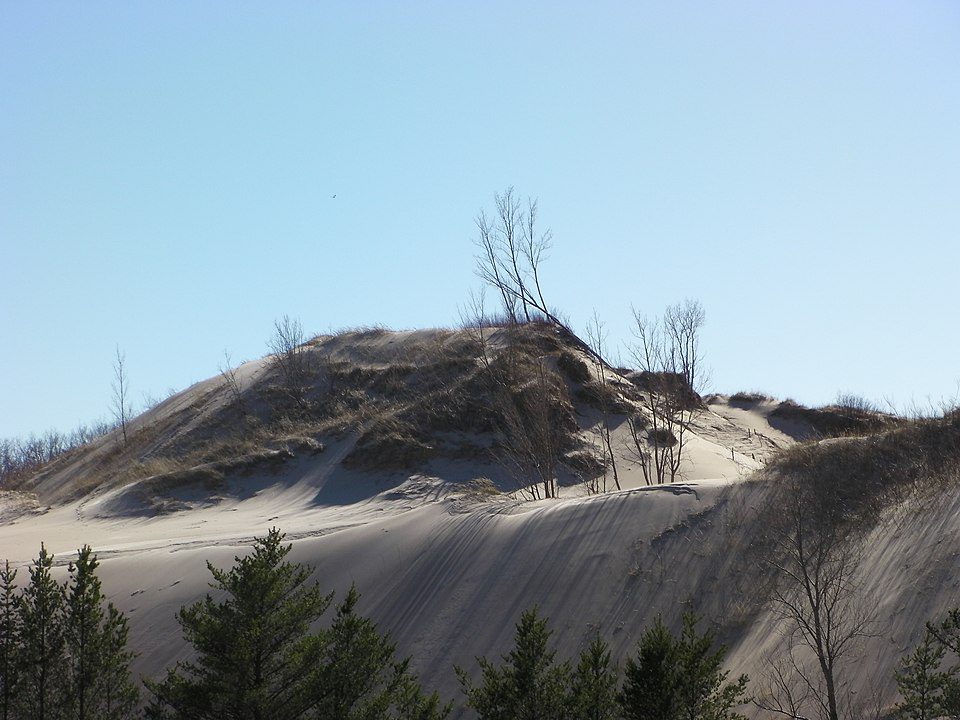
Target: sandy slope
x=447, y=570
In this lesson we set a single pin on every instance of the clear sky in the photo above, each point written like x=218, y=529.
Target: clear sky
x=166, y=173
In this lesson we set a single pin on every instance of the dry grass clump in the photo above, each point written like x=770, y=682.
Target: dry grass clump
x=661, y=437
x=673, y=383
x=269, y=460
x=390, y=380
x=836, y=420
x=584, y=463
x=363, y=331
x=204, y=476
x=603, y=396
x=855, y=478
x=574, y=368
x=749, y=398
x=388, y=444
x=458, y=409
x=482, y=487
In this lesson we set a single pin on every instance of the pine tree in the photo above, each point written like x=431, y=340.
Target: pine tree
x=680, y=678
x=40, y=653
x=927, y=690
x=9, y=631
x=119, y=695
x=528, y=686
x=98, y=683
x=258, y=660
x=593, y=687
x=254, y=652
x=360, y=678
x=703, y=690
x=652, y=679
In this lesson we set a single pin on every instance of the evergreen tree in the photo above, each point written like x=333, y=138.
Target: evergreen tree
x=652, y=679
x=119, y=695
x=9, y=639
x=40, y=651
x=97, y=681
x=258, y=660
x=254, y=652
x=947, y=632
x=359, y=678
x=680, y=678
x=528, y=686
x=928, y=691
x=703, y=690
x=593, y=687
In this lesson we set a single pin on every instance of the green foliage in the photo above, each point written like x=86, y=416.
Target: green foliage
x=529, y=685
x=923, y=685
x=680, y=678
x=97, y=678
x=254, y=653
x=593, y=687
x=930, y=688
x=947, y=632
x=257, y=659
x=704, y=692
x=359, y=678
x=9, y=631
x=651, y=682
x=63, y=653
x=40, y=648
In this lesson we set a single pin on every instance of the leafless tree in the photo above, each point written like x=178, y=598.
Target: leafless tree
x=781, y=690
x=473, y=319
x=597, y=340
x=530, y=433
x=815, y=560
x=291, y=358
x=523, y=395
x=121, y=406
x=232, y=382
x=667, y=353
x=512, y=251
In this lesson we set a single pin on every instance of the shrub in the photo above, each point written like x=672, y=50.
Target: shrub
x=853, y=479
x=661, y=437
x=749, y=398
x=575, y=369
x=585, y=463
x=857, y=403
x=603, y=396
x=388, y=444
x=674, y=384
x=834, y=421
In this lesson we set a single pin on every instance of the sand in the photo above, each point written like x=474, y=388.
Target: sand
x=447, y=569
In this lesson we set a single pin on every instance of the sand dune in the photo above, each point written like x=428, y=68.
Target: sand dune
x=446, y=564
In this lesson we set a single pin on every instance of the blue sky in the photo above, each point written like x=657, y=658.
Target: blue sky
x=166, y=173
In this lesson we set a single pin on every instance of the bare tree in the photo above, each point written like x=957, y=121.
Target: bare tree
x=512, y=250
x=473, y=319
x=529, y=430
x=667, y=353
x=783, y=690
x=815, y=562
x=597, y=340
x=121, y=406
x=291, y=358
x=524, y=399
x=232, y=382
